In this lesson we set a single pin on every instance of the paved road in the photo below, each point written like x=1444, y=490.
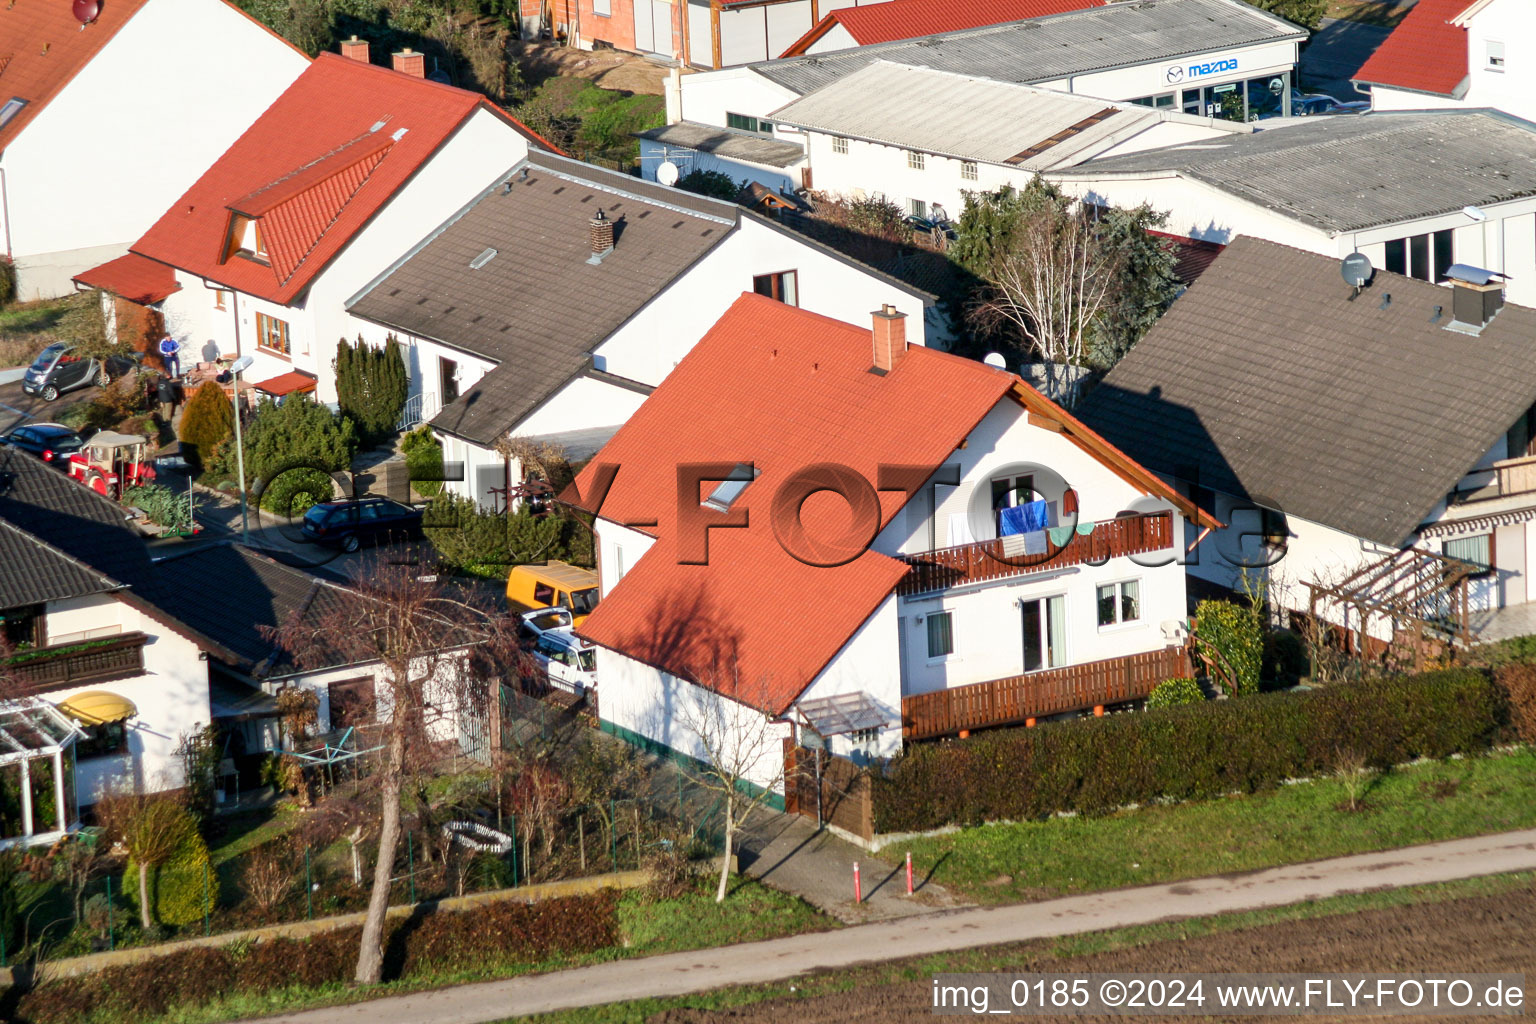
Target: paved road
x=681, y=973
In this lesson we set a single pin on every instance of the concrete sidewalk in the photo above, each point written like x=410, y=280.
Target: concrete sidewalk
x=787, y=852
x=751, y=963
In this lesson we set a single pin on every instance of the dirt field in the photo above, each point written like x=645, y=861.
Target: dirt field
x=611, y=69
x=1485, y=934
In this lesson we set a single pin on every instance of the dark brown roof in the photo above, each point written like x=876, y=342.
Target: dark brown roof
x=1269, y=383
x=70, y=517
x=537, y=307
x=33, y=571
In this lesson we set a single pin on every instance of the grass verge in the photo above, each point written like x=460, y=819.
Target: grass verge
x=648, y=925
x=1422, y=803
x=1009, y=958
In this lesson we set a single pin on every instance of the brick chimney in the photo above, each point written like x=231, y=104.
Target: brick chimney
x=355, y=49
x=600, y=229
x=890, y=337
x=410, y=62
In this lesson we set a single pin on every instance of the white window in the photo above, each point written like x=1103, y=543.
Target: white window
x=1045, y=632
x=602, y=8
x=941, y=635
x=1119, y=602
x=729, y=489
x=11, y=108
x=914, y=160
x=917, y=208
x=1495, y=55
x=839, y=145
x=968, y=170
x=1477, y=549
x=618, y=563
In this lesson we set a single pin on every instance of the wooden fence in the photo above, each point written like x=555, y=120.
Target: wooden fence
x=843, y=799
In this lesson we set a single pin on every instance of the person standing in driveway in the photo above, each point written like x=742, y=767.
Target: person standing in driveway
x=169, y=354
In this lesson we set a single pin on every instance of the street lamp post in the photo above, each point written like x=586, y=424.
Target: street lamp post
x=235, y=369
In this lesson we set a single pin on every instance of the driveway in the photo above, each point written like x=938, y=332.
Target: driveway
x=677, y=974
x=17, y=407
x=1334, y=53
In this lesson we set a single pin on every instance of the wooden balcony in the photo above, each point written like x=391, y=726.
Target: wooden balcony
x=985, y=560
x=1051, y=692
x=88, y=661
x=1503, y=479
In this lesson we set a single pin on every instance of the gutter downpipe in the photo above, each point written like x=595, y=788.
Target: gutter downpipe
x=5, y=211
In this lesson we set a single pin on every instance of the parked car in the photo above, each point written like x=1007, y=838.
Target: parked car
x=554, y=584
x=534, y=624
x=54, y=443
x=60, y=368
x=1317, y=103
x=350, y=524
x=568, y=660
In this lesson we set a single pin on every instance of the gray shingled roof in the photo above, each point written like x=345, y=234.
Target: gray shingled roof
x=1267, y=382
x=726, y=142
x=33, y=571
x=1350, y=173
x=1055, y=47
x=538, y=308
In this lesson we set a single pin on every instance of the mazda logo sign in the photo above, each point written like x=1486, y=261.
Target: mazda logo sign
x=1174, y=74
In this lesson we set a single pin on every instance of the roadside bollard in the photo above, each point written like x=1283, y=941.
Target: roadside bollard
x=858, y=892
x=909, y=872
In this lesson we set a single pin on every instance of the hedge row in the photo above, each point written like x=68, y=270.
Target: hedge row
x=528, y=932
x=1206, y=750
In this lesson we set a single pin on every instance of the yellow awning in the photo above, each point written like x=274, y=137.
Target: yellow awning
x=97, y=707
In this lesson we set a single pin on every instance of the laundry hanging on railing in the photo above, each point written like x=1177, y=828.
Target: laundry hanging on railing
x=1025, y=518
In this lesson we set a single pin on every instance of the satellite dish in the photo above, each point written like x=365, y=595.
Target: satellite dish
x=666, y=173
x=241, y=365
x=996, y=359
x=1356, y=269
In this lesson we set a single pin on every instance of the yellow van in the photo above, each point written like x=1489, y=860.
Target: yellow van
x=553, y=585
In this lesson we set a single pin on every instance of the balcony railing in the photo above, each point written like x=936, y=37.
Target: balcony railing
x=1051, y=692
x=1503, y=479
x=986, y=560
x=88, y=661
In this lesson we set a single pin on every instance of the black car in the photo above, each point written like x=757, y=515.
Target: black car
x=54, y=443
x=59, y=368
x=349, y=524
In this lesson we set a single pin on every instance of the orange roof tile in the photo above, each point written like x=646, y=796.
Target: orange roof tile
x=132, y=277
x=908, y=19
x=784, y=389
x=1425, y=53
x=43, y=47
x=323, y=159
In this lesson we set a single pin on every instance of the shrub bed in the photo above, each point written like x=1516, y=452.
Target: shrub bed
x=529, y=932
x=1182, y=753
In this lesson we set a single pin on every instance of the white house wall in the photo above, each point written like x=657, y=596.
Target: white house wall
x=707, y=97
x=156, y=106
x=1386, y=98
x=837, y=38
x=618, y=550
x=1511, y=89
x=869, y=663
x=171, y=697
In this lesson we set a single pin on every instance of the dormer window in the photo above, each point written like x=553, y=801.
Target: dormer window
x=245, y=239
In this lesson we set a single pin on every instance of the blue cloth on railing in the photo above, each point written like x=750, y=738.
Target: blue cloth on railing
x=1034, y=542
x=1037, y=515
x=1010, y=521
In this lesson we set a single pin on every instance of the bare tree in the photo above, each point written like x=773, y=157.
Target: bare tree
x=438, y=651
x=743, y=751
x=1048, y=284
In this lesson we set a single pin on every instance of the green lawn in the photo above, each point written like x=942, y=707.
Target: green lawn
x=1419, y=804
x=1009, y=958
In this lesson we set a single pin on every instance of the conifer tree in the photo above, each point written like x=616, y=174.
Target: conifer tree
x=207, y=421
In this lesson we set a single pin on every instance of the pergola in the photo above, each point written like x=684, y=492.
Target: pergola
x=1412, y=589
x=31, y=728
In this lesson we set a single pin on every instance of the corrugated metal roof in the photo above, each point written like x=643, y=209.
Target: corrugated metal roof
x=723, y=142
x=1002, y=121
x=1043, y=49
x=1350, y=173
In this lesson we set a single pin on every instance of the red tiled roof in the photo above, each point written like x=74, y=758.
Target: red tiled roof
x=909, y=19
x=781, y=388
x=323, y=159
x=42, y=47
x=1191, y=255
x=133, y=277
x=1425, y=52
